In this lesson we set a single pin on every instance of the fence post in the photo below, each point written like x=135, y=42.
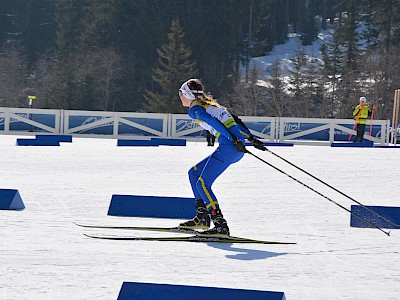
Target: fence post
x=116, y=125
x=169, y=126
x=6, y=120
x=61, y=121
x=395, y=116
x=331, y=131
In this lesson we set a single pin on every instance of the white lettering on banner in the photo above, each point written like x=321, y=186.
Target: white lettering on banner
x=185, y=124
x=339, y=132
x=22, y=115
x=266, y=129
x=292, y=127
x=94, y=119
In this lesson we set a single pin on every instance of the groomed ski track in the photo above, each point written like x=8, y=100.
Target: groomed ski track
x=45, y=256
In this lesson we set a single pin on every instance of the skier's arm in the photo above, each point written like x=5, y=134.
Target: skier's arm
x=199, y=113
x=356, y=110
x=246, y=132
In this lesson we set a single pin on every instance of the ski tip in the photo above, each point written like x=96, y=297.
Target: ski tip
x=93, y=236
x=79, y=224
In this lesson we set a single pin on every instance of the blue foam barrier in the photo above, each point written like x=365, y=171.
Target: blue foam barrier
x=152, y=207
x=388, y=212
x=35, y=142
x=368, y=144
x=169, y=142
x=269, y=144
x=140, y=143
x=398, y=147
x=151, y=291
x=56, y=137
x=10, y=200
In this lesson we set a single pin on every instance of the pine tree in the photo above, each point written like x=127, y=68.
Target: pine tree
x=30, y=23
x=69, y=26
x=12, y=76
x=275, y=101
x=298, y=105
x=279, y=21
x=314, y=92
x=38, y=28
x=99, y=25
x=350, y=36
x=333, y=59
x=174, y=68
x=384, y=18
x=371, y=32
x=309, y=31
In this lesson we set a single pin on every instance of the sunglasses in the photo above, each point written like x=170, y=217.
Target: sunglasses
x=180, y=93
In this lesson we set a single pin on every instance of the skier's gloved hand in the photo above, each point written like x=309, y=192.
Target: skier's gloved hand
x=239, y=145
x=257, y=143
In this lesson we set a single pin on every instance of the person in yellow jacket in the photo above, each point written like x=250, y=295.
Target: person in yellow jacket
x=361, y=114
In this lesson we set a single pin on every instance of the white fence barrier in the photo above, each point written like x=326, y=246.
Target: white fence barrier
x=124, y=125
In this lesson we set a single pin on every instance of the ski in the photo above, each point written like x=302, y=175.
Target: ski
x=142, y=228
x=194, y=238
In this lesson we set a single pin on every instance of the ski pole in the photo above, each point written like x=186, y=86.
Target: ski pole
x=352, y=130
x=198, y=137
x=322, y=195
x=372, y=120
x=335, y=189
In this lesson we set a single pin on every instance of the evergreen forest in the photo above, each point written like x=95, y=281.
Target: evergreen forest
x=133, y=55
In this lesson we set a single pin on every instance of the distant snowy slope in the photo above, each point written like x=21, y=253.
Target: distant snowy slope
x=287, y=51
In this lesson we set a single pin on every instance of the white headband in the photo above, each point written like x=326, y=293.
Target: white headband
x=188, y=93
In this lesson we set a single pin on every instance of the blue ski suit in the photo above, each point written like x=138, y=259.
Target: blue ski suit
x=220, y=123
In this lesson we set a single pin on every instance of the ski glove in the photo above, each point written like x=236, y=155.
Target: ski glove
x=239, y=145
x=257, y=143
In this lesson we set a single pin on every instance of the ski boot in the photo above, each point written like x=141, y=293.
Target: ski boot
x=220, y=229
x=201, y=220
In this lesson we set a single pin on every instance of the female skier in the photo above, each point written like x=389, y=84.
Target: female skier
x=231, y=133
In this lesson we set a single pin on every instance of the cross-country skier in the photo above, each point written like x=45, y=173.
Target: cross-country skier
x=231, y=133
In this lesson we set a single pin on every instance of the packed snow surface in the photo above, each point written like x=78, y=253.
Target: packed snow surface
x=45, y=256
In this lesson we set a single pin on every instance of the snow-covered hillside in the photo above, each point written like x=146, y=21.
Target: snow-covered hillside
x=285, y=52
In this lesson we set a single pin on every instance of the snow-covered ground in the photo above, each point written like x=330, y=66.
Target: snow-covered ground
x=45, y=256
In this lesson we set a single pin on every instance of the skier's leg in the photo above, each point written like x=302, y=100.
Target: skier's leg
x=358, y=136
x=362, y=130
x=202, y=218
x=219, y=161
